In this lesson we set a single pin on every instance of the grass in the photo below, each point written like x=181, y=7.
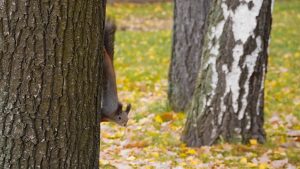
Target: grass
x=152, y=139
x=283, y=80
x=128, y=10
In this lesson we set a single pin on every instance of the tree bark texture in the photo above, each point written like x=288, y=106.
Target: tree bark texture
x=229, y=94
x=188, y=34
x=50, y=83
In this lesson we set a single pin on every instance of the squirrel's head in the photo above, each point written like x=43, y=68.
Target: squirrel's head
x=121, y=116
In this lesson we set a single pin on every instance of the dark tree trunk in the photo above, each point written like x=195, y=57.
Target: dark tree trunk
x=229, y=95
x=188, y=35
x=50, y=76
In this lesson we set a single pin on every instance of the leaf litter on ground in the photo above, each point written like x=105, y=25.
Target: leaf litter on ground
x=152, y=138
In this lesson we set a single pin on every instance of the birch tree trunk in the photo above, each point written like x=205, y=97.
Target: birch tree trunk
x=229, y=95
x=188, y=35
x=50, y=76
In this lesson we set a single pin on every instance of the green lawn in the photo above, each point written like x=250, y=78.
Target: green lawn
x=143, y=49
x=283, y=79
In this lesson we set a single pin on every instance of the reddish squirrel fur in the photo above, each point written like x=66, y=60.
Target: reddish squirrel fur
x=112, y=109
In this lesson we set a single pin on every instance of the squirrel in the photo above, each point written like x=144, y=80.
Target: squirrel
x=112, y=109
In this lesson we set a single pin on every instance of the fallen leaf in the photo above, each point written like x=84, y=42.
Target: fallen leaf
x=158, y=119
x=140, y=144
x=122, y=166
x=191, y=151
x=243, y=160
x=264, y=158
x=289, y=145
x=293, y=133
x=279, y=163
x=263, y=166
x=167, y=117
x=290, y=166
x=251, y=165
x=253, y=142
x=155, y=154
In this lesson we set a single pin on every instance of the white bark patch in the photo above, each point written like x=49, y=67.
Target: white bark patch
x=232, y=78
x=214, y=78
x=244, y=23
x=215, y=33
x=248, y=126
x=223, y=107
x=250, y=63
x=214, y=130
x=244, y=19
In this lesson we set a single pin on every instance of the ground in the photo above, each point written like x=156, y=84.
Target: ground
x=152, y=138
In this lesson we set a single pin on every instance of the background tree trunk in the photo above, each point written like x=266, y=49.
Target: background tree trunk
x=50, y=76
x=229, y=95
x=188, y=35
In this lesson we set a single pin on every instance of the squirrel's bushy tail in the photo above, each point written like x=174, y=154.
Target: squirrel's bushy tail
x=109, y=36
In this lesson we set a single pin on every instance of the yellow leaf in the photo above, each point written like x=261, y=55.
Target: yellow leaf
x=251, y=165
x=158, y=119
x=243, y=160
x=263, y=166
x=182, y=155
x=191, y=151
x=131, y=158
x=253, y=142
x=183, y=164
x=180, y=115
x=104, y=162
x=194, y=162
x=182, y=146
x=155, y=154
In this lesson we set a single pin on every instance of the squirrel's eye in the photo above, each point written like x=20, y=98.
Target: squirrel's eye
x=119, y=118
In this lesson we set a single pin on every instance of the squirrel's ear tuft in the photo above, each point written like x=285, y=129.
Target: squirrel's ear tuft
x=128, y=108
